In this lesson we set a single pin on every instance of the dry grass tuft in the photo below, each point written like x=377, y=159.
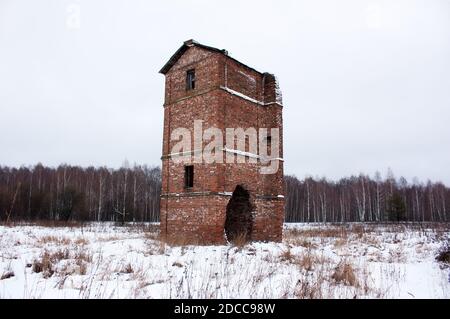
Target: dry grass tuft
x=444, y=254
x=151, y=229
x=329, y=231
x=180, y=241
x=48, y=261
x=128, y=269
x=61, y=254
x=7, y=275
x=293, y=238
x=155, y=248
x=83, y=256
x=287, y=256
x=56, y=224
x=80, y=241
x=358, y=230
x=151, y=235
x=54, y=240
x=306, y=261
x=307, y=290
x=340, y=243
x=240, y=240
x=82, y=267
x=345, y=274
x=44, y=265
x=305, y=243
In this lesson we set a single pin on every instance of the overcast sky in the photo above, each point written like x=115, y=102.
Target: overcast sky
x=366, y=84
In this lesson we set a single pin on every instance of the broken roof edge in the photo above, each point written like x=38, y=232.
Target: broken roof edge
x=191, y=43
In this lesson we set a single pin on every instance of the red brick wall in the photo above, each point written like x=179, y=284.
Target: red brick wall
x=206, y=72
x=194, y=219
x=198, y=215
x=241, y=79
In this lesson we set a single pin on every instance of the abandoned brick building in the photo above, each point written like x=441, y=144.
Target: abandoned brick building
x=208, y=203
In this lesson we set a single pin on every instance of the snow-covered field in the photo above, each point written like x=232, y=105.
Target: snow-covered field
x=314, y=261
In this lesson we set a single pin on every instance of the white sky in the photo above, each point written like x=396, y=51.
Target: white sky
x=366, y=84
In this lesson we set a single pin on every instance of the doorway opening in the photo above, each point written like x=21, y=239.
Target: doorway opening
x=239, y=218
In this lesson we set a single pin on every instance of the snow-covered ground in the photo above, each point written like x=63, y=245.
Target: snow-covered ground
x=314, y=261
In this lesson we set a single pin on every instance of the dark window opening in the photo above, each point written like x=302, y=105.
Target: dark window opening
x=269, y=140
x=189, y=176
x=190, y=80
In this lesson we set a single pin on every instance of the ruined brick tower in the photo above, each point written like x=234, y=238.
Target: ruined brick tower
x=208, y=203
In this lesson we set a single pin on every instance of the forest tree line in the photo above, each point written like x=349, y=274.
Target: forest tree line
x=365, y=199
x=133, y=193
x=82, y=194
